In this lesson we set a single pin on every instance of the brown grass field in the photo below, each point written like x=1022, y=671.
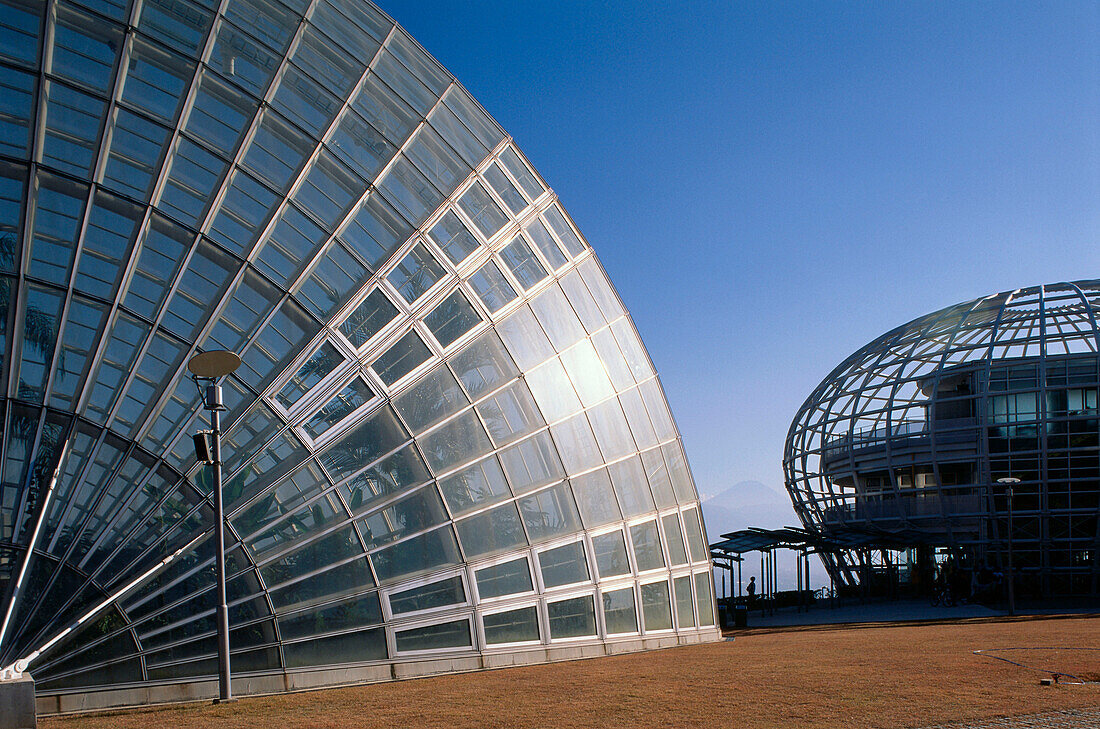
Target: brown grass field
x=823, y=677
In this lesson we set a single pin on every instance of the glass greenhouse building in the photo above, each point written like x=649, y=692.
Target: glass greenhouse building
x=446, y=448
x=904, y=444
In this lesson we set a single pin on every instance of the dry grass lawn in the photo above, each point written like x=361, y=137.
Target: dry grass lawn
x=906, y=676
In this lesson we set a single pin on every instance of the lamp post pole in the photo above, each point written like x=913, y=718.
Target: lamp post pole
x=211, y=366
x=1009, y=483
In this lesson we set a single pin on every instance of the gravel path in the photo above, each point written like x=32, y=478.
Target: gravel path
x=1072, y=719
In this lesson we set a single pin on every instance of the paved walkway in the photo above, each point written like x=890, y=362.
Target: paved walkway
x=1071, y=719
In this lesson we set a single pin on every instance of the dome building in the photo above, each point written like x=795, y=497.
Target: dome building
x=913, y=442
x=446, y=448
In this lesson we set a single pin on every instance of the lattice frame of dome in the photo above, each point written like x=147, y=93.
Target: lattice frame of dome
x=446, y=448
x=907, y=438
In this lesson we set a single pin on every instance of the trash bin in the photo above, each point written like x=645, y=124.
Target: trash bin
x=741, y=616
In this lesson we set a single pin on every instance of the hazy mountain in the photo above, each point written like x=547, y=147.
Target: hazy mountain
x=747, y=504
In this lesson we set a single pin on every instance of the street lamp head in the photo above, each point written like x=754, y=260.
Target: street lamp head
x=1008, y=480
x=214, y=364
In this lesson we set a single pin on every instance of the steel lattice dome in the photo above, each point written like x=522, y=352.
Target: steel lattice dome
x=446, y=449
x=906, y=439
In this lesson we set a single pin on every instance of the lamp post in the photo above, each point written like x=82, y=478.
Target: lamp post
x=1008, y=483
x=211, y=366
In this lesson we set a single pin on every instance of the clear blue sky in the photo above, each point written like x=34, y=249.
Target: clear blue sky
x=770, y=185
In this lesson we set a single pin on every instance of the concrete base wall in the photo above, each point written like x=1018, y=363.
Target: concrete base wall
x=309, y=679
x=17, y=703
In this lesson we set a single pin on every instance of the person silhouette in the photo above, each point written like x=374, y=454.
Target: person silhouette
x=751, y=590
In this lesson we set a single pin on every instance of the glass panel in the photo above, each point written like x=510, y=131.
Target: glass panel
x=156, y=80
x=361, y=146
x=433, y=637
x=20, y=30
x=293, y=243
x=17, y=98
x=436, y=160
x=385, y=111
x=59, y=208
x=316, y=368
x=504, y=188
x=340, y=580
x=564, y=231
x=647, y=546
x=219, y=114
x=134, y=154
x=193, y=178
x=112, y=226
x=273, y=23
x=127, y=336
x=685, y=612
x=557, y=318
x=548, y=246
x=305, y=101
x=512, y=626
x=415, y=274
x=572, y=618
x=398, y=78
x=482, y=210
x=243, y=214
x=510, y=414
x=240, y=58
x=678, y=472
x=351, y=398
x=84, y=49
x=553, y=391
x=83, y=326
x=392, y=475
x=444, y=121
x=40, y=330
x=73, y=121
x=376, y=231
x=367, y=645
x=610, y=551
x=454, y=238
x=495, y=531
x=704, y=599
x=358, y=28
x=475, y=119
x=656, y=608
x=369, y=318
x=522, y=262
x=532, y=463
x=657, y=475
x=420, y=554
x=613, y=360
x=550, y=513
x=576, y=444
x=180, y=24
x=474, y=487
x=458, y=441
x=595, y=499
x=693, y=530
x=402, y=358
x=588, y=375
x=483, y=365
x=422, y=510
x=409, y=191
x=452, y=318
x=619, y=613
x=426, y=597
x=314, y=556
x=329, y=190
x=631, y=487
x=636, y=416
x=492, y=287
x=673, y=538
x=564, y=565
x=277, y=151
x=282, y=338
x=358, y=612
x=333, y=281
x=525, y=339
x=431, y=400
x=374, y=437
x=522, y=173
x=509, y=578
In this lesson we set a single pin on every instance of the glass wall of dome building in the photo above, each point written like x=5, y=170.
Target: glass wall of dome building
x=446, y=448
x=909, y=442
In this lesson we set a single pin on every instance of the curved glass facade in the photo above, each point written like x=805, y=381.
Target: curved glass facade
x=906, y=441
x=446, y=440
